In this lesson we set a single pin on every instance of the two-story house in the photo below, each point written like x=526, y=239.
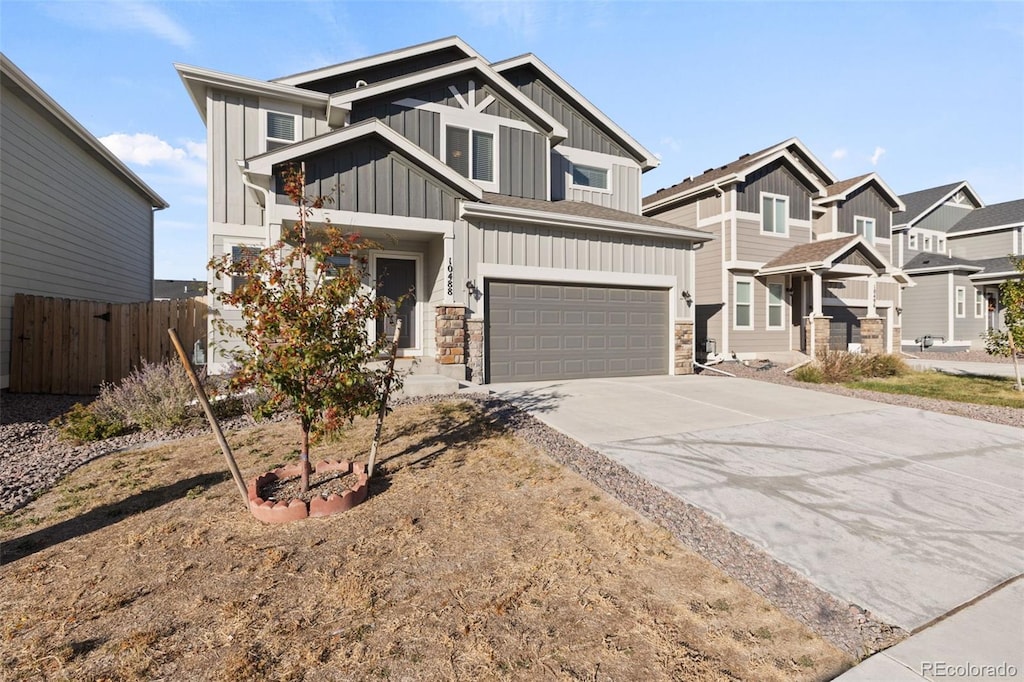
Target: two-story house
x=802, y=260
x=958, y=250
x=505, y=200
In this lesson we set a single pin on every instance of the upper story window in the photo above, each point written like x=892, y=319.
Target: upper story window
x=282, y=129
x=774, y=213
x=865, y=227
x=927, y=243
x=589, y=176
x=940, y=244
x=470, y=153
x=912, y=241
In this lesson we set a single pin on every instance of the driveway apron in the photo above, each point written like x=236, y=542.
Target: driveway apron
x=904, y=512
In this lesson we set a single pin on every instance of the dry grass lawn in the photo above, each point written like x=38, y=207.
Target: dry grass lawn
x=475, y=558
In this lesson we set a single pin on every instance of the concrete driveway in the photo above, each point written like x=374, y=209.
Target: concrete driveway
x=906, y=513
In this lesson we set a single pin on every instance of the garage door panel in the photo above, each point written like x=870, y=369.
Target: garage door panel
x=547, y=331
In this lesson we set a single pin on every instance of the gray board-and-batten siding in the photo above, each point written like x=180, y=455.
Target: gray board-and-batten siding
x=867, y=203
x=368, y=176
x=775, y=178
x=943, y=217
x=386, y=71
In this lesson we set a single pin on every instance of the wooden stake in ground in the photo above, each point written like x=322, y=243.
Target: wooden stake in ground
x=382, y=410
x=201, y=394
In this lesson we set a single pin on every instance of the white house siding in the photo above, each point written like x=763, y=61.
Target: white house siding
x=561, y=250
x=69, y=226
x=926, y=306
x=623, y=193
x=752, y=245
x=984, y=245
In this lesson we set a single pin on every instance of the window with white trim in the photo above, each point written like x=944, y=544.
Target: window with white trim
x=774, y=213
x=335, y=264
x=282, y=129
x=589, y=176
x=775, y=302
x=961, y=302
x=912, y=240
x=927, y=243
x=470, y=153
x=940, y=244
x=743, y=303
x=979, y=304
x=865, y=227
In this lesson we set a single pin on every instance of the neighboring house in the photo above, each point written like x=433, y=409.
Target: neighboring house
x=75, y=222
x=172, y=289
x=802, y=261
x=506, y=201
x=958, y=251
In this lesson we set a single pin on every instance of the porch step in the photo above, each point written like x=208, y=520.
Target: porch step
x=418, y=385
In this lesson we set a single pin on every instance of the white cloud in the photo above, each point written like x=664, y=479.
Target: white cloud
x=185, y=164
x=124, y=15
x=521, y=17
x=839, y=153
x=879, y=151
x=672, y=143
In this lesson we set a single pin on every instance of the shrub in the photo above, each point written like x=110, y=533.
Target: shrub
x=810, y=374
x=154, y=396
x=82, y=425
x=885, y=365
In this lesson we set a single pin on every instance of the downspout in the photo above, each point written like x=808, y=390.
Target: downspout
x=266, y=197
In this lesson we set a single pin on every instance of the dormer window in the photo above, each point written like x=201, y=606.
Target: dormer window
x=912, y=241
x=281, y=129
x=589, y=176
x=470, y=153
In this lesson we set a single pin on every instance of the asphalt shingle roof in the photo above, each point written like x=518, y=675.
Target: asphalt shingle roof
x=1006, y=213
x=938, y=260
x=920, y=201
x=811, y=252
x=581, y=209
x=708, y=175
x=1002, y=264
x=843, y=185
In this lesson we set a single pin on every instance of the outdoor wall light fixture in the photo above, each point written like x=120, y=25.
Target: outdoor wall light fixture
x=687, y=297
x=471, y=287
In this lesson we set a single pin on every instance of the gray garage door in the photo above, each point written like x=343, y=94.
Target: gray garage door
x=541, y=331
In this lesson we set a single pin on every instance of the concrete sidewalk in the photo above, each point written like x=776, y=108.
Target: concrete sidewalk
x=992, y=369
x=984, y=641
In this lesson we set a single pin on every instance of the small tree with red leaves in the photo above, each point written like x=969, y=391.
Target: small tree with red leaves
x=306, y=309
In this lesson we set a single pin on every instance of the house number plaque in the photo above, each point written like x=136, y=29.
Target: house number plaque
x=451, y=278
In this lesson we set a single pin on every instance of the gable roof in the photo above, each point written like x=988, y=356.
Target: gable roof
x=197, y=79
x=577, y=214
x=646, y=159
x=15, y=78
x=997, y=268
x=263, y=164
x=921, y=203
x=1008, y=213
x=736, y=171
x=544, y=121
x=178, y=288
x=826, y=254
x=364, y=63
x=839, y=191
x=938, y=262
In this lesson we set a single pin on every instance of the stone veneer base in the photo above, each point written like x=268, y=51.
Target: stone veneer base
x=268, y=511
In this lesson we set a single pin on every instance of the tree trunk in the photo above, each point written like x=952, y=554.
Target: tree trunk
x=304, y=459
x=1013, y=355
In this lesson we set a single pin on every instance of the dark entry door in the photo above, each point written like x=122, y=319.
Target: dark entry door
x=397, y=278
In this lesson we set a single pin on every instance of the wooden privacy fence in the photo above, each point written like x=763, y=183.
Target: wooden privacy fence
x=63, y=346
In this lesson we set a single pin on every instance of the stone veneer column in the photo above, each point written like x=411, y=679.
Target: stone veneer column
x=684, y=347
x=897, y=340
x=450, y=329
x=872, y=335
x=475, y=351
x=818, y=330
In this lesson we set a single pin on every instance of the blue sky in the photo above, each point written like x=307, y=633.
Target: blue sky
x=923, y=93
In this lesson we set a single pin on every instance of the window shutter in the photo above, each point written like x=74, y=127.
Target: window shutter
x=457, y=150
x=483, y=156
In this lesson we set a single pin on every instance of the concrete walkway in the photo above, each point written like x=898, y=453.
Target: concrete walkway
x=907, y=513
x=984, y=641
x=993, y=369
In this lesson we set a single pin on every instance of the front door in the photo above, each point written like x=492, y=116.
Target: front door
x=397, y=278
